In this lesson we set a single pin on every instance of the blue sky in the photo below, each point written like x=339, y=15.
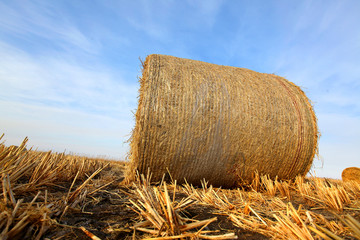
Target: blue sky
x=68, y=69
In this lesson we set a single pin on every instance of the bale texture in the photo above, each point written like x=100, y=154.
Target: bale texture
x=198, y=120
x=351, y=174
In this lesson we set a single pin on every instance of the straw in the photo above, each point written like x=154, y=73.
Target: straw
x=198, y=120
x=351, y=174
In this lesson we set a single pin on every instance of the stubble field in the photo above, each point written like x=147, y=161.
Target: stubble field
x=47, y=195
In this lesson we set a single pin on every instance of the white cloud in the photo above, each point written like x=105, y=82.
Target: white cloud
x=42, y=19
x=55, y=79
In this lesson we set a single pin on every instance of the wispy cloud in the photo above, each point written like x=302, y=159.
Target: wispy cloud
x=55, y=80
x=38, y=19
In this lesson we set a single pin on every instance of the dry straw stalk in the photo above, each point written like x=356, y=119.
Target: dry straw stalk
x=200, y=120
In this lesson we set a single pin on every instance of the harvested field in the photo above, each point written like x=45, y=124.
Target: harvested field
x=48, y=195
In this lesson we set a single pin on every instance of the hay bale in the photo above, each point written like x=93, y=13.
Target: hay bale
x=351, y=174
x=199, y=120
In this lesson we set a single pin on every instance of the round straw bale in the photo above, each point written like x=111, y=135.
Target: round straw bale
x=197, y=120
x=351, y=174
